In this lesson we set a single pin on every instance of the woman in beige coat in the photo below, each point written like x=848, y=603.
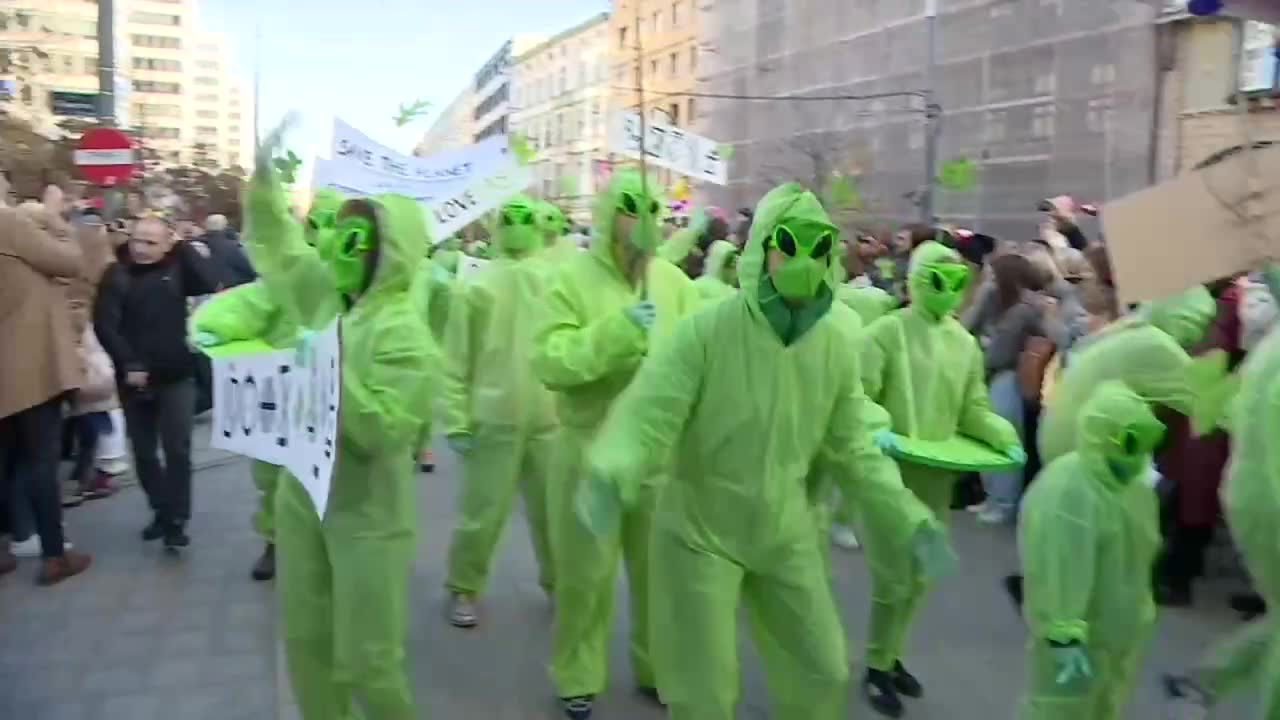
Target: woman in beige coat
x=39, y=366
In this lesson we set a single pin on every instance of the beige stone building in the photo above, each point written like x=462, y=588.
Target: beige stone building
x=560, y=103
x=453, y=128
x=1205, y=62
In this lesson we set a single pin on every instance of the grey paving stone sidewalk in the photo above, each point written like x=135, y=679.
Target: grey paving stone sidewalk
x=144, y=635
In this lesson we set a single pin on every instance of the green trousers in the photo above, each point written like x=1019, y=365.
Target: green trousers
x=586, y=575
x=1103, y=696
x=345, y=608
x=500, y=463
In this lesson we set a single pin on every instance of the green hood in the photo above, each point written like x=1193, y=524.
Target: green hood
x=518, y=240
x=606, y=209
x=718, y=256
x=402, y=240
x=551, y=221
x=790, y=200
x=1112, y=410
x=677, y=247
x=1185, y=317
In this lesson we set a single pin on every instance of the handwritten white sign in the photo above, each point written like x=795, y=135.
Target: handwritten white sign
x=281, y=407
x=453, y=169
x=669, y=147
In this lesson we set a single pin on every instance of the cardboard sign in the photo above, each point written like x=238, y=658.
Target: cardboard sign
x=1197, y=227
x=469, y=267
x=281, y=406
x=669, y=147
x=453, y=169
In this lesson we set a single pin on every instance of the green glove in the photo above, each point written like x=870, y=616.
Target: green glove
x=1072, y=661
x=886, y=442
x=460, y=443
x=643, y=314
x=933, y=553
x=303, y=352
x=598, y=505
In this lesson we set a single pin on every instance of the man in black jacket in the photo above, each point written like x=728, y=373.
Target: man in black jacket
x=141, y=319
x=228, y=256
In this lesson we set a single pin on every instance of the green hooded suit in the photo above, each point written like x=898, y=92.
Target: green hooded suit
x=344, y=578
x=586, y=352
x=1088, y=534
x=746, y=397
x=718, y=274
x=248, y=312
x=930, y=400
x=493, y=398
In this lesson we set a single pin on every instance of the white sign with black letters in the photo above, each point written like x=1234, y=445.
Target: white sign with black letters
x=281, y=407
x=669, y=147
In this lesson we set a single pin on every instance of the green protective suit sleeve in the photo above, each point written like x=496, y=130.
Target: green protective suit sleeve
x=244, y=312
x=1186, y=317
x=871, y=303
x=571, y=353
x=295, y=276
x=677, y=247
x=1088, y=536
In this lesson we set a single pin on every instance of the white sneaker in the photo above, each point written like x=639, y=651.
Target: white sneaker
x=31, y=547
x=993, y=516
x=977, y=507
x=844, y=538
x=462, y=611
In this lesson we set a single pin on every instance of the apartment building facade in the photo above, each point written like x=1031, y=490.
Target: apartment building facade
x=453, y=127
x=560, y=93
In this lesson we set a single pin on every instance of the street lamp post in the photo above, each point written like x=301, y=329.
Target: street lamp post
x=933, y=114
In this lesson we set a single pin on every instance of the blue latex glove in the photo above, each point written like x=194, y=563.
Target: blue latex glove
x=886, y=441
x=1073, y=663
x=204, y=339
x=1017, y=454
x=598, y=505
x=933, y=552
x=643, y=314
x=460, y=443
x=303, y=354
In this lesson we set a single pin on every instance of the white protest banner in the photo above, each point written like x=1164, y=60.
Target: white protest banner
x=669, y=147
x=281, y=406
x=454, y=168
x=447, y=212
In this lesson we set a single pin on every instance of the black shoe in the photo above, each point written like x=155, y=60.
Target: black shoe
x=154, y=531
x=1013, y=587
x=878, y=688
x=1174, y=596
x=265, y=568
x=906, y=683
x=577, y=708
x=175, y=536
x=1250, y=605
x=1186, y=690
x=651, y=694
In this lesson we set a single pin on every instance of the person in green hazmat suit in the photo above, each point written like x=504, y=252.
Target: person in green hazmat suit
x=1088, y=534
x=928, y=400
x=1147, y=353
x=497, y=416
x=555, y=232
x=436, y=287
x=343, y=579
x=602, y=313
x=248, y=312
x=1251, y=504
x=735, y=523
x=719, y=277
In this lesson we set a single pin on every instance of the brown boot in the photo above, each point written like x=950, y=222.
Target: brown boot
x=55, y=570
x=8, y=563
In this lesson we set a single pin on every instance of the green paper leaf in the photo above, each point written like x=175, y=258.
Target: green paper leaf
x=287, y=166
x=523, y=151
x=844, y=193
x=959, y=175
x=726, y=152
x=407, y=113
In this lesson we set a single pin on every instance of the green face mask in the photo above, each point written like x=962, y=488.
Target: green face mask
x=940, y=287
x=517, y=228
x=1131, y=453
x=645, y=236
x=347, y=250
x=807, y=246
x=318, y=223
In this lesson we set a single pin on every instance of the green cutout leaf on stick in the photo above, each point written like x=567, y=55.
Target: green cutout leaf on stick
x=845, y=194
x=409, y=112
x=288, y=166
x=959, y=175
x=726, y=152
x=523, y=151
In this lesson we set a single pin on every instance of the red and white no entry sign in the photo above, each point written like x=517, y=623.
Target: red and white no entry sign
x=106, y=156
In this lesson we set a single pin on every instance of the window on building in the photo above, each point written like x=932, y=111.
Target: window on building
x=207, y=114
x=234, y=142
x=562, y=83
x=207, y=64
x=582, y=124
x=206, y=130
x=1259, y=68
x=674, y=111
x=657, y=21
x=161, y=64
x=693, y=59
x=635, y=74
x=559, y=133
x=234, y=115
x=653, y=68
x=676, y=7
x=673, y=68
x=150, y=18
x=162, y=133
x=693, y=115
x=151, y=86
x=1042, y=122
x=151, y=110
x=232, y=161
x=622, y=37
x=157, y=41
x=207, y=97
x=233, y=128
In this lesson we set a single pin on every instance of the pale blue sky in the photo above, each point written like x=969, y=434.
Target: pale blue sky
x=360, y=59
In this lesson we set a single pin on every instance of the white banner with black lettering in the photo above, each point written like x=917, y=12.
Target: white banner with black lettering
x=669, y=147
x=454, y=169
x=281, y=407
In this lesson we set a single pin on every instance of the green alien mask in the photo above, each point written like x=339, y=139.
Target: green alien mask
x=807, y=245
